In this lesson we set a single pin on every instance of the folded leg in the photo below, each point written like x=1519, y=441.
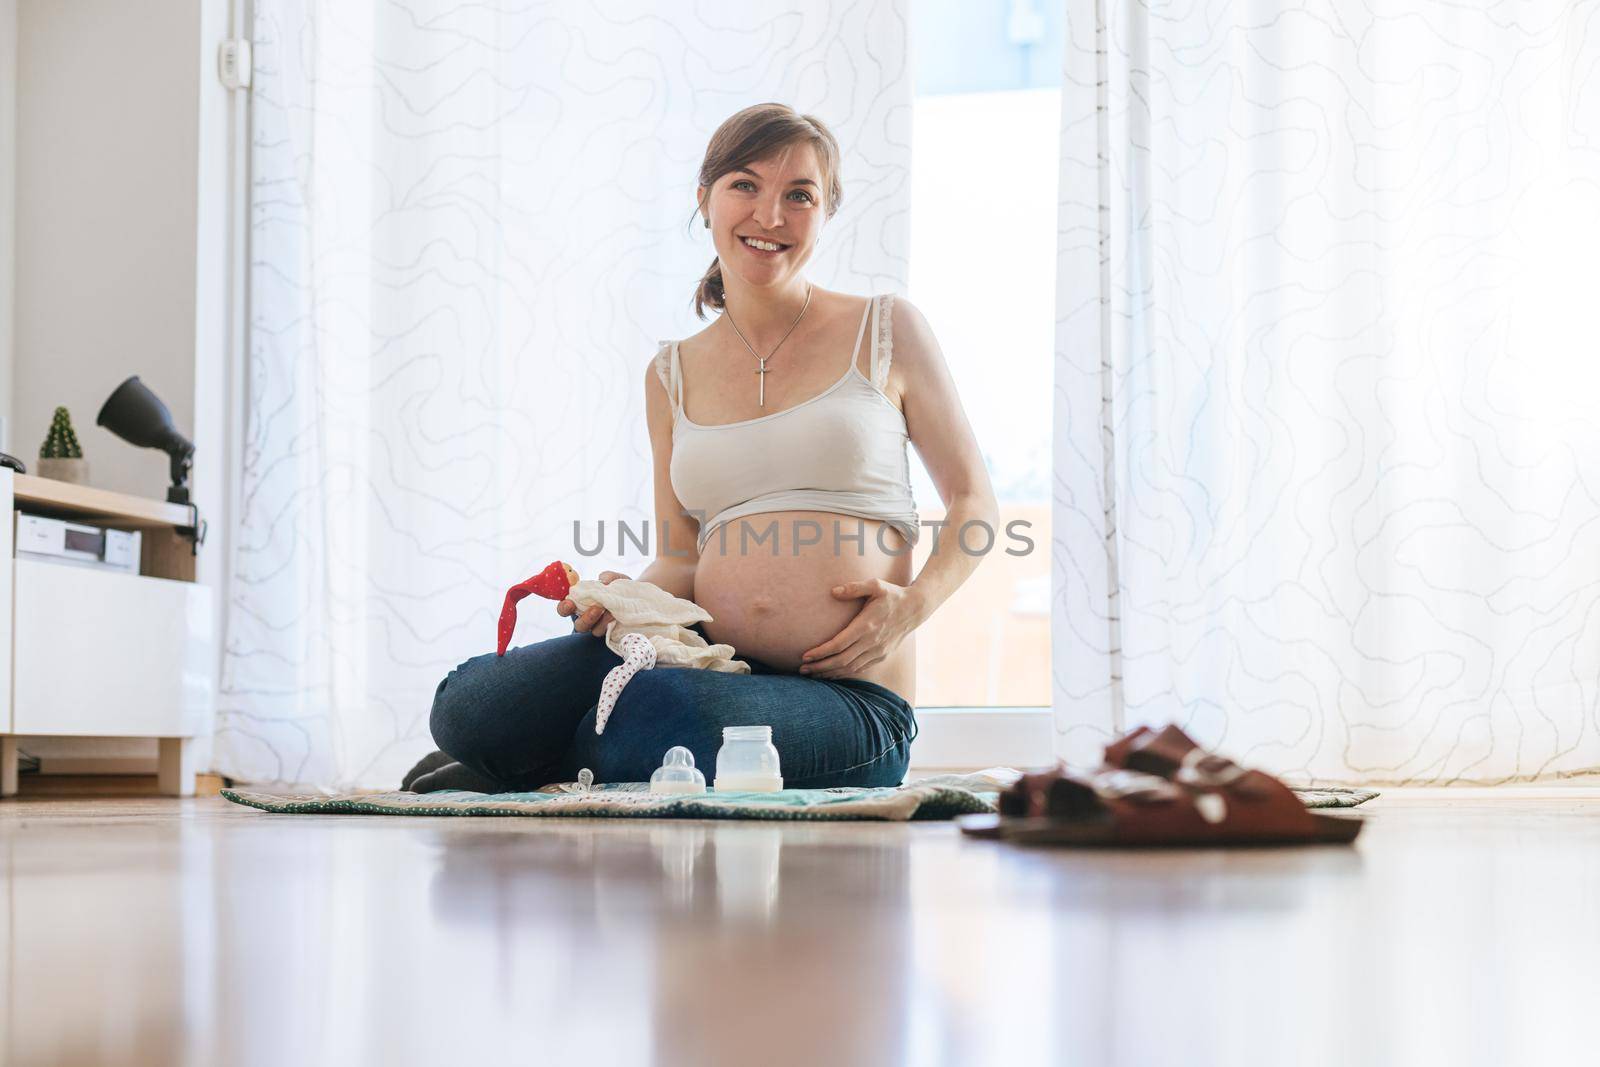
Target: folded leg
x=512, y=717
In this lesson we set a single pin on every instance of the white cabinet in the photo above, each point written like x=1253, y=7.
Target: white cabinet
x=95, y=653
x=100, y=654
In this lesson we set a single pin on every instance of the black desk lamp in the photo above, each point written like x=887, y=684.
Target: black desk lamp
x=138, y=416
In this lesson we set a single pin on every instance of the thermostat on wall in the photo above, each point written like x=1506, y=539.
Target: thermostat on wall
x=59, y=541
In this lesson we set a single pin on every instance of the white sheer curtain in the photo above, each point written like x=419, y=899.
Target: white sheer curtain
x=469, y=229
x=1328, y=427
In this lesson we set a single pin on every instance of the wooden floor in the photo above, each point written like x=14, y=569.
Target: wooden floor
x=1463, y=928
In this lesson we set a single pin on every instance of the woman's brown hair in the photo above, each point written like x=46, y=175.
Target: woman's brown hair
x=751, y=135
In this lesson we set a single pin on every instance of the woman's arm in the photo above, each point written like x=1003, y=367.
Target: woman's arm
x=676, y=555
x=938, y=427
x=673, y=575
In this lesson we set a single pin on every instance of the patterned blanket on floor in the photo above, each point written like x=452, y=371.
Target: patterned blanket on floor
x=941, y=797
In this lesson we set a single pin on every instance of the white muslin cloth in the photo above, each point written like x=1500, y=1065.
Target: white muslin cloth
x=644, y=612
x=646, y=608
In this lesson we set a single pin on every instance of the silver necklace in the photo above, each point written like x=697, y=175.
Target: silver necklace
x=761, y=371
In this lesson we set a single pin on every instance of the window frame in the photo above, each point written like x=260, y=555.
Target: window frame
x=965, y=739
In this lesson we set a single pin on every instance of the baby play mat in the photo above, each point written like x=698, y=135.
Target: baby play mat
x=942, y=797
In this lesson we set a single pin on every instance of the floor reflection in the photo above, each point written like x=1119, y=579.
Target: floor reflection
x=726, y=935
x=105, y=956
x=198, y=933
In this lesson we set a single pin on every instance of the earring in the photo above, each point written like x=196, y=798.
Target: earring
x=708, y=221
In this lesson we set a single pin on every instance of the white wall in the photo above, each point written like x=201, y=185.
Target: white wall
x=8, y=157
x=106, y=175
x=129, y=183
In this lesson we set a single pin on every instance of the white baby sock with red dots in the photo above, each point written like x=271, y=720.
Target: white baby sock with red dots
x=638, y=654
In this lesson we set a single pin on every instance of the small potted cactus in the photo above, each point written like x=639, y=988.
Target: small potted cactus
x=60, y=457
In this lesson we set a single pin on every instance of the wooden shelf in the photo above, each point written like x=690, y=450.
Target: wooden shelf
x=120, y=509
x=164, y=552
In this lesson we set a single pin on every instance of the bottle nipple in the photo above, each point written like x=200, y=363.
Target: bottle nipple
x=677, y=773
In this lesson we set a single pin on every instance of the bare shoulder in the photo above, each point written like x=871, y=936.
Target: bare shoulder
x=700, y=336
x=656, y=368
x=912, y=337
x=658, y=402
x=691, y=348
x=915, y=356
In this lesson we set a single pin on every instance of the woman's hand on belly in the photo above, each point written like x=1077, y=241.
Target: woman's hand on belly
x=774, y=603
x=888, y=617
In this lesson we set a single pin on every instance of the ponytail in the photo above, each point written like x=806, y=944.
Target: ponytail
x=709, y=292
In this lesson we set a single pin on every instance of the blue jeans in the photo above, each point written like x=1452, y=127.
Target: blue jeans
x=527, y=719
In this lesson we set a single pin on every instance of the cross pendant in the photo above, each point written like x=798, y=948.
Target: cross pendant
x=761, y=377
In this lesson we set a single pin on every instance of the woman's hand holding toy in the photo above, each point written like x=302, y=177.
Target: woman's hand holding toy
x=553, y=583
x=889, y=615
x=596, y=620
x=652, y=626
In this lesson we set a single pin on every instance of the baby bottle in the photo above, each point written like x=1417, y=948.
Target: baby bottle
x=747, y=762
x=677, y=773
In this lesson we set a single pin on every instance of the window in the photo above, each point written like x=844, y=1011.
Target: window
x=983, y=236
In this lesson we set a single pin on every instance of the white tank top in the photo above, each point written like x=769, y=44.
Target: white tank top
x=842, y=451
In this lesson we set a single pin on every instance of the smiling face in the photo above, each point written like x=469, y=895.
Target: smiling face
x=773, y=201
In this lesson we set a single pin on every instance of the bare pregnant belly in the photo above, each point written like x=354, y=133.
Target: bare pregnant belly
x=770, y=599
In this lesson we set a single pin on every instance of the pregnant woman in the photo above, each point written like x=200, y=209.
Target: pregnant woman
x=782, y=506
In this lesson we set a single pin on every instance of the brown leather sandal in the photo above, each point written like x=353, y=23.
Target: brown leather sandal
x=1159, y=788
